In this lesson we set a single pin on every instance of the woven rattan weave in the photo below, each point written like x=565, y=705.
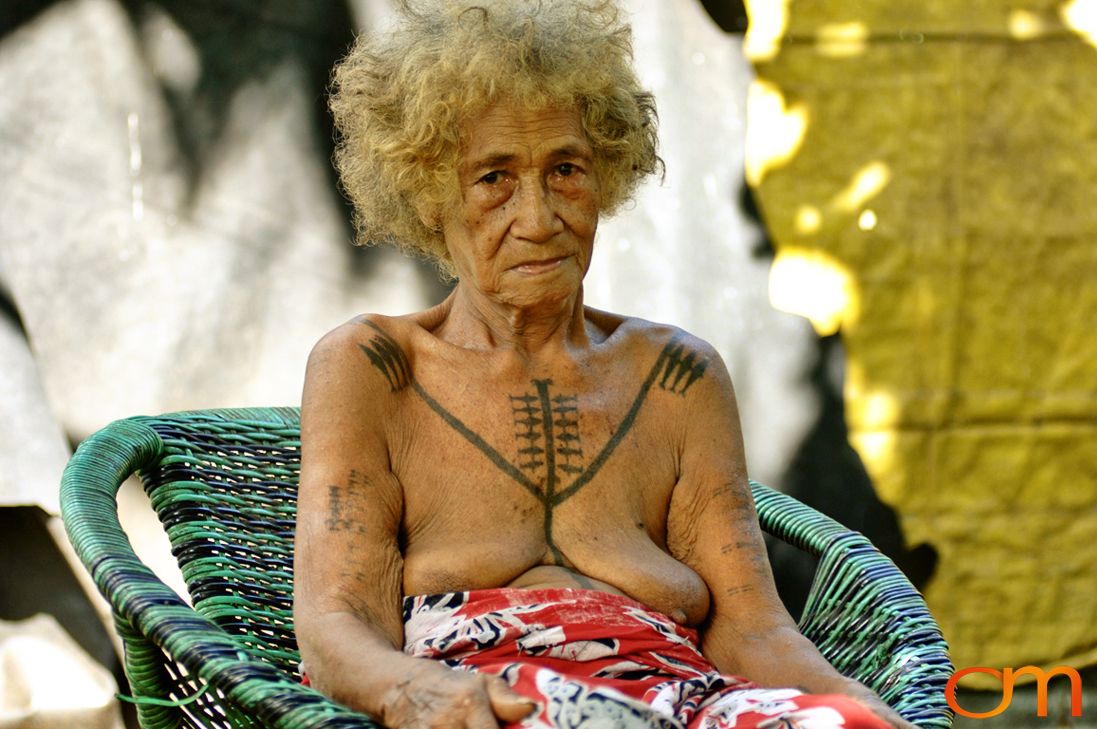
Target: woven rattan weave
x=224, y=485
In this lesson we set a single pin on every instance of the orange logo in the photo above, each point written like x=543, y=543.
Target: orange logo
x=1007, y=677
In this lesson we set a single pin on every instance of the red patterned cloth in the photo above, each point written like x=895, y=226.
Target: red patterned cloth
x=600, y=661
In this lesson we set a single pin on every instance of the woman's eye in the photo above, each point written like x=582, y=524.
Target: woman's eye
x=566, y=169
x=492, y=177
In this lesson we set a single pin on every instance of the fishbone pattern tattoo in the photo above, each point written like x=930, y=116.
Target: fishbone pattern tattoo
x=542, y=419
x=547, y=430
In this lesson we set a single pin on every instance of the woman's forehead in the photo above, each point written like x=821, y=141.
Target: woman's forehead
x=503, y=130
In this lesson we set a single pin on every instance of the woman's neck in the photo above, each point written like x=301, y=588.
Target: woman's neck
x=473, y=320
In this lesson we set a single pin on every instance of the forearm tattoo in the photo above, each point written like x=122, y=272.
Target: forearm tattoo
x=551, y=464
x=342, y=500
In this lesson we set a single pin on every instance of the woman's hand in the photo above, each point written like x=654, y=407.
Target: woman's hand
x=879, y=707
x=432, y=696
x=888, y=714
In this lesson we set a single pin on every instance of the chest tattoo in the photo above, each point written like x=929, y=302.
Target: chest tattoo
x=550, y=462
x=547, y=433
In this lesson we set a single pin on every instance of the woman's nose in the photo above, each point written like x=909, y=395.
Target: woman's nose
x=536, y=217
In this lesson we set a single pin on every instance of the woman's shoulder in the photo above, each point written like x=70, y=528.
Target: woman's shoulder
x=639, y=334
x=367, y=341
x=351, y=335
x=666, y=356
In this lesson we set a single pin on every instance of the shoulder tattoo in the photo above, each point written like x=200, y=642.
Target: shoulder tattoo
x=387, y=356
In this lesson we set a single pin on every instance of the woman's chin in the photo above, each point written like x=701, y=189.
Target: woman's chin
x=546, y=285
x=543, y=296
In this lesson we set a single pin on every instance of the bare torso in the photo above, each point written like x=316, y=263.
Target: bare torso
x=512, y=437
x=530, y=478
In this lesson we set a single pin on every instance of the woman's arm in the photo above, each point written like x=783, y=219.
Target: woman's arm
x=347, y=565
x=713, y=527
x=348, y=568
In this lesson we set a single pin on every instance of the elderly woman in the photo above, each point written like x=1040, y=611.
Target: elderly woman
x=548, y=497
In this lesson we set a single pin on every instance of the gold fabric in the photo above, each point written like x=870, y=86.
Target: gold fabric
x=928, y=173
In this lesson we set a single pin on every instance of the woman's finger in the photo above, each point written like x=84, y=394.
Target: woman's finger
x=506, y=703
x=480, y=716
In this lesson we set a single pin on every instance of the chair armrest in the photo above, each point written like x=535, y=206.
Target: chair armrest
x=147, y=609
x=863, y=614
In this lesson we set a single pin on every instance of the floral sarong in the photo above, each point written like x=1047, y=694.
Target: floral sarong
x=600, y=661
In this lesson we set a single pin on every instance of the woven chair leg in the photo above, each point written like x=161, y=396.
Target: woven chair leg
x=144, y=665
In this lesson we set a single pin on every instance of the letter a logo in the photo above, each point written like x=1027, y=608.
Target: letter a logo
x=1007, y=691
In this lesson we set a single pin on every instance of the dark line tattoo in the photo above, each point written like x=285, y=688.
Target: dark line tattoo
x=622, y=429
x=553, y=419
x=336, y=521
x=738, y=590
x=734, y=547
x=338, y=499
x=463, y=430
x=565, y=410
x=550, y=463
x=550, y=442
x=525, y=416
x=387, y=356
x=547, y=435
x=681, y=364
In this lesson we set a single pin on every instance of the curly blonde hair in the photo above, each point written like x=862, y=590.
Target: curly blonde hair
x=400, y=97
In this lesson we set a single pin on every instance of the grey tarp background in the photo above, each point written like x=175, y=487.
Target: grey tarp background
x=172, y=237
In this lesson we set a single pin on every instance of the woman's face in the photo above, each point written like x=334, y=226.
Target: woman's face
x=523, y=229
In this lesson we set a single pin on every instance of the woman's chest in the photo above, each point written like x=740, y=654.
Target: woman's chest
x=539, y=456
x=494, y=486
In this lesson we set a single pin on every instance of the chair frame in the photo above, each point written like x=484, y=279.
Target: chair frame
x=223, y=483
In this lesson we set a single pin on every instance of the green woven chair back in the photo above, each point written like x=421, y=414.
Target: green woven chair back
x=226, y=492
x=224, y=485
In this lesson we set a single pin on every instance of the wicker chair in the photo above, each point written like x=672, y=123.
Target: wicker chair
x=223, y=483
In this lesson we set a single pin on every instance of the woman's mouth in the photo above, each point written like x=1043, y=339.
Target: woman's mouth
x=536, y=267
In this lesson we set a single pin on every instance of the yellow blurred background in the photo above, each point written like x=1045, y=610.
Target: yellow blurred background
x=928, y=174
